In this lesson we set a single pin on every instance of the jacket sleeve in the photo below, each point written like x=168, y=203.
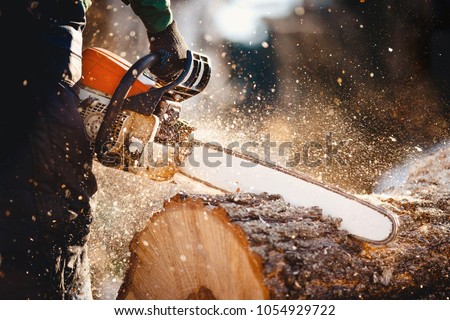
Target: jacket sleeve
x=155, y=14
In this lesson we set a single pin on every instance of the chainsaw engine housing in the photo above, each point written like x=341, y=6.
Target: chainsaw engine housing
x=124, y=109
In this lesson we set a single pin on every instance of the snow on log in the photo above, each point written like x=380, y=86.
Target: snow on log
x=248, y=246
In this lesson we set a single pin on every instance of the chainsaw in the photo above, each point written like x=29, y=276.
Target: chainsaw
x=133, y=124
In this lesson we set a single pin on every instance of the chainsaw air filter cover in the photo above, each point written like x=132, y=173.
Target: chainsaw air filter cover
x=103, y=70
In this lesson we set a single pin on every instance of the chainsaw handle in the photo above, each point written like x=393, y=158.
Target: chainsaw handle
x=115, y=104
x=191, y=81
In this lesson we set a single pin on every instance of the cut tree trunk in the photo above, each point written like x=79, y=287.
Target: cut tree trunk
x=248, y=246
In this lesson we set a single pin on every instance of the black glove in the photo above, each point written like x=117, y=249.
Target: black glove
x=172, y=48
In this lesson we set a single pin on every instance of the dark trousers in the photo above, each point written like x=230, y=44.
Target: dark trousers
x=45, y=186
x=46, y=180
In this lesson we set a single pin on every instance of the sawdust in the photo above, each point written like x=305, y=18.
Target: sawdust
x=427, y=178
x=125, y=202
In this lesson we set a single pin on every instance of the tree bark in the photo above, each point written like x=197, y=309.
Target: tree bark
x=248, y=246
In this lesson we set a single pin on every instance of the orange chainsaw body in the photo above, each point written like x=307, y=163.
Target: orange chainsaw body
x=103, y=70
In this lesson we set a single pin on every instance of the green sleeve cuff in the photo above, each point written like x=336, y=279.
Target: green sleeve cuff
x=155, y=14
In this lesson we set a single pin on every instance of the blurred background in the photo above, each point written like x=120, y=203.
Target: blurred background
x=373, y=73
x=368, y=78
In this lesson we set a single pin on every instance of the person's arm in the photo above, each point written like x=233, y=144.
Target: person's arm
x=164, y=36
x=155, y=14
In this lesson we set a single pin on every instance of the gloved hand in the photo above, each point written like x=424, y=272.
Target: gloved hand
x=172, y=48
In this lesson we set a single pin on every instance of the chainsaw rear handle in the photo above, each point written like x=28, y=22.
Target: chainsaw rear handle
x=116, y=104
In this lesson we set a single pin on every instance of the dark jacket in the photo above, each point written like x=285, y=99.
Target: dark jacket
x=59, y=25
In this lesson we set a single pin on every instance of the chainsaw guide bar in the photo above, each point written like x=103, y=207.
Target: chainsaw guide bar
x=236, y=172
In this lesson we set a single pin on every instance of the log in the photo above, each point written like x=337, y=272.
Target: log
x=257, y=246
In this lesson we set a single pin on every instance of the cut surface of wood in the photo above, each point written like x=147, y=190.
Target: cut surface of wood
x=190, y=252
